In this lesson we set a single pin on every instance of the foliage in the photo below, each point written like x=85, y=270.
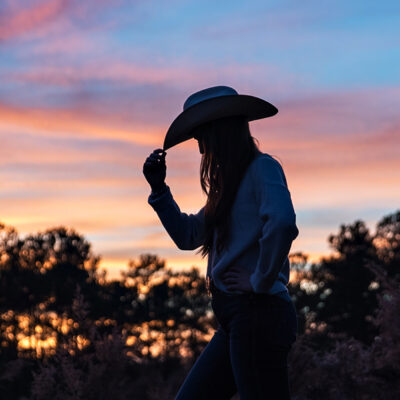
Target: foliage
x=351, y=370
x=67, y=332
x=340, y=293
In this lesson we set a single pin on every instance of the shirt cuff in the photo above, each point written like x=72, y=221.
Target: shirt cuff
x=158, y=192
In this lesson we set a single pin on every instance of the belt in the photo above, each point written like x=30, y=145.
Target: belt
x=211, y=288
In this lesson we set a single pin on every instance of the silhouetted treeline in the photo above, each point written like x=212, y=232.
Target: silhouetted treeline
x=67, y=332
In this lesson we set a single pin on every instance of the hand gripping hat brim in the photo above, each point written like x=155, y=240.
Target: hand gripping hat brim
x=211, y=104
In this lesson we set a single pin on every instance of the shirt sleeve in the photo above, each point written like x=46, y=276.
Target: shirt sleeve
x=186, y=230
x=279, y=228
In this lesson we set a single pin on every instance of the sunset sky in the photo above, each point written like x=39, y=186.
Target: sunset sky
x=89, y=88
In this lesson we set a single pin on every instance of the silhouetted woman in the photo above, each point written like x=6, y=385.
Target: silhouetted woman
x=246, y=229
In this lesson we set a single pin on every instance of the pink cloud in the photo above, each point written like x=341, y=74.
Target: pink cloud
x=70, y=44
x=76, y=123
x=320, y=163
x=340, y=112
x=44, y=16
x=345, y=128
x=182, y=75
x=19, y=20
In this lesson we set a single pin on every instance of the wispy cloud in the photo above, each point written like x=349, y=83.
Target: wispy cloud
x=73, y=123
x=40, y=18
x=17, y=19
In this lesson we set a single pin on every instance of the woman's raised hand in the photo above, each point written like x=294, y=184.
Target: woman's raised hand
x=155, y=169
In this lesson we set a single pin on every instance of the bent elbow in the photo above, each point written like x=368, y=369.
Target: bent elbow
x=181, y=244
x=294, y=231
x=288, y=226
x=184, y=244
x=188, y=245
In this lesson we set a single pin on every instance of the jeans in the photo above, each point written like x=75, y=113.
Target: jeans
x=248, y=352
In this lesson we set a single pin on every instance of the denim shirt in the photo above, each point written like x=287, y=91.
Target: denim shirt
x=263, y=227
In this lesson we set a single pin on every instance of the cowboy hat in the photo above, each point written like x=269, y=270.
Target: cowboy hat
x=214, y=103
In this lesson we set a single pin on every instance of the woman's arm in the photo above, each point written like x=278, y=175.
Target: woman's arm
x=279, y=222
x=187, y=231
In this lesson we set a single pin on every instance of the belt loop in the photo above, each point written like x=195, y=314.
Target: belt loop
x=252, y=297
x=208, y=285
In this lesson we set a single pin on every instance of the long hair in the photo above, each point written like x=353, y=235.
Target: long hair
x=229, y=148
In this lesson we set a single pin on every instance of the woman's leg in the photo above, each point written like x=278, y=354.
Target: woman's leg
x=261, y=335
x=211, y=376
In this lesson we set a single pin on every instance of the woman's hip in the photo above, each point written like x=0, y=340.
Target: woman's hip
x=273, y=318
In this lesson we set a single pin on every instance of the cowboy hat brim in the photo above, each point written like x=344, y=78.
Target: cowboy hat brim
x=214, y=108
